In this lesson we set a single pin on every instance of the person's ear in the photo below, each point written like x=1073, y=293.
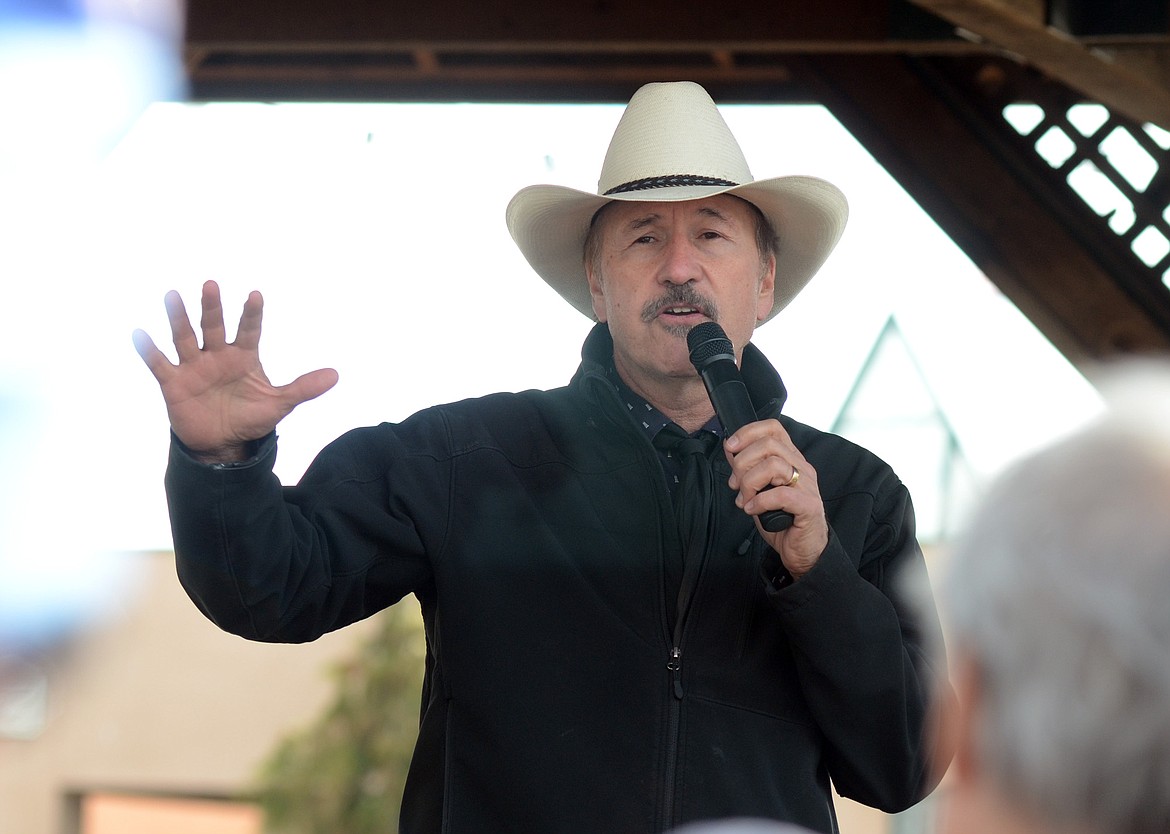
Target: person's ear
x=596, y=292
x=767, y=292
x=962, y=718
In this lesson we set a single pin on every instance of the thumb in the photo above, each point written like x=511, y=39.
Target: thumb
x=308, y=386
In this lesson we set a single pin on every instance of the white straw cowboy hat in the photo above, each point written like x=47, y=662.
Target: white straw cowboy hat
x=672, y=144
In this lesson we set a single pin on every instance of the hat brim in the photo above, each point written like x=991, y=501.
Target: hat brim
x=549, y=224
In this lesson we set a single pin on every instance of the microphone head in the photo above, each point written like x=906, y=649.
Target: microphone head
x=708, y=343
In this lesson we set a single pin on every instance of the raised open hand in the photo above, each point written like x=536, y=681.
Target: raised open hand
x=218, y=397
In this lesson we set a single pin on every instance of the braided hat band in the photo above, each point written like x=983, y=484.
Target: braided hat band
x=669, y=181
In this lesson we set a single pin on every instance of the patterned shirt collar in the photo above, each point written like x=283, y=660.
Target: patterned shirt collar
x=648, y=416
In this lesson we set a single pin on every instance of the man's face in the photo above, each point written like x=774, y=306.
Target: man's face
x=662, y=268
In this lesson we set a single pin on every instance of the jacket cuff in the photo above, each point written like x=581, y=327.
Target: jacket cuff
x=832, y=568
x=257, y=450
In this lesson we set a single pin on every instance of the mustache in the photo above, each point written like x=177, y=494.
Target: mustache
x=680, y=295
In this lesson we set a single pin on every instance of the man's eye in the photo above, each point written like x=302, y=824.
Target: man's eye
x=711, y=235
x=645, y=239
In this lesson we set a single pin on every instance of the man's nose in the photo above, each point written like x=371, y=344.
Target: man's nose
x=679, y=262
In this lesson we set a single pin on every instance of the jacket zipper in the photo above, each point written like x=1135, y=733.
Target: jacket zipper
x=674, y=666
x=690, y=584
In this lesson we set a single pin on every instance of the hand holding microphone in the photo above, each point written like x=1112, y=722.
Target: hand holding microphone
x=714, y=358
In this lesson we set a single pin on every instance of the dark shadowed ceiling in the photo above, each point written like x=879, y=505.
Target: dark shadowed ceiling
x=923, y=84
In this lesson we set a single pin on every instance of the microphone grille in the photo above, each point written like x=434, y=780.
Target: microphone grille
x=708, y=342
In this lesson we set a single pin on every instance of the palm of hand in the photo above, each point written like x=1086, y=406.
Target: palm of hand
x=222, y=398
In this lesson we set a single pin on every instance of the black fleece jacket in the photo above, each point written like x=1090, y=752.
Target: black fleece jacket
x=533, y=528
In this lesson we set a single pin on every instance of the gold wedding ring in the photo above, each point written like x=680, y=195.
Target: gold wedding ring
x=795, y=477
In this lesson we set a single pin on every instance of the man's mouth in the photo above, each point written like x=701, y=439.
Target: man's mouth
x=682, y=305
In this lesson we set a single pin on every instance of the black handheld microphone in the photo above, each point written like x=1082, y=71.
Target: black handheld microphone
x=714, y=359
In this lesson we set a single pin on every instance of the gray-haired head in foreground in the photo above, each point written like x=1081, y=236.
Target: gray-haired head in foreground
x=740, y=826
x=1060, y=591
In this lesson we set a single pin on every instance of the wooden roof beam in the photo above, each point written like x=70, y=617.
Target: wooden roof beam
x=1088, y=69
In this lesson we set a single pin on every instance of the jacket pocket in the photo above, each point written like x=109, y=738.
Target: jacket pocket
x=739, y=762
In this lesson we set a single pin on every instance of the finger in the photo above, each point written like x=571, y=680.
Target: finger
x=804, y=492
x=769, y=500
x=770, y=429
x=769, y=472
x=775, y=453
x=248, y=333
x=794, y=479
x=212, y=322
x=807, y=510
x=182, y=334
x=308, y=386
x=154, y=358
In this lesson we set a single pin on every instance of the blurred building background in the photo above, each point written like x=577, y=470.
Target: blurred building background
x=153, y=722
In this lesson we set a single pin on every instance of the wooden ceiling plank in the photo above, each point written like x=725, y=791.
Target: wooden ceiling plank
x=679, y=21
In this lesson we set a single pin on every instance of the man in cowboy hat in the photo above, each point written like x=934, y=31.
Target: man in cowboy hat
x=606, y=652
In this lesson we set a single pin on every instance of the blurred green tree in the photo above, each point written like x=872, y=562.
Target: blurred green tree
x=345, y=772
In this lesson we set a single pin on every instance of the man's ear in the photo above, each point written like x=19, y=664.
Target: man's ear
x=767, y=291
x=596, y=292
